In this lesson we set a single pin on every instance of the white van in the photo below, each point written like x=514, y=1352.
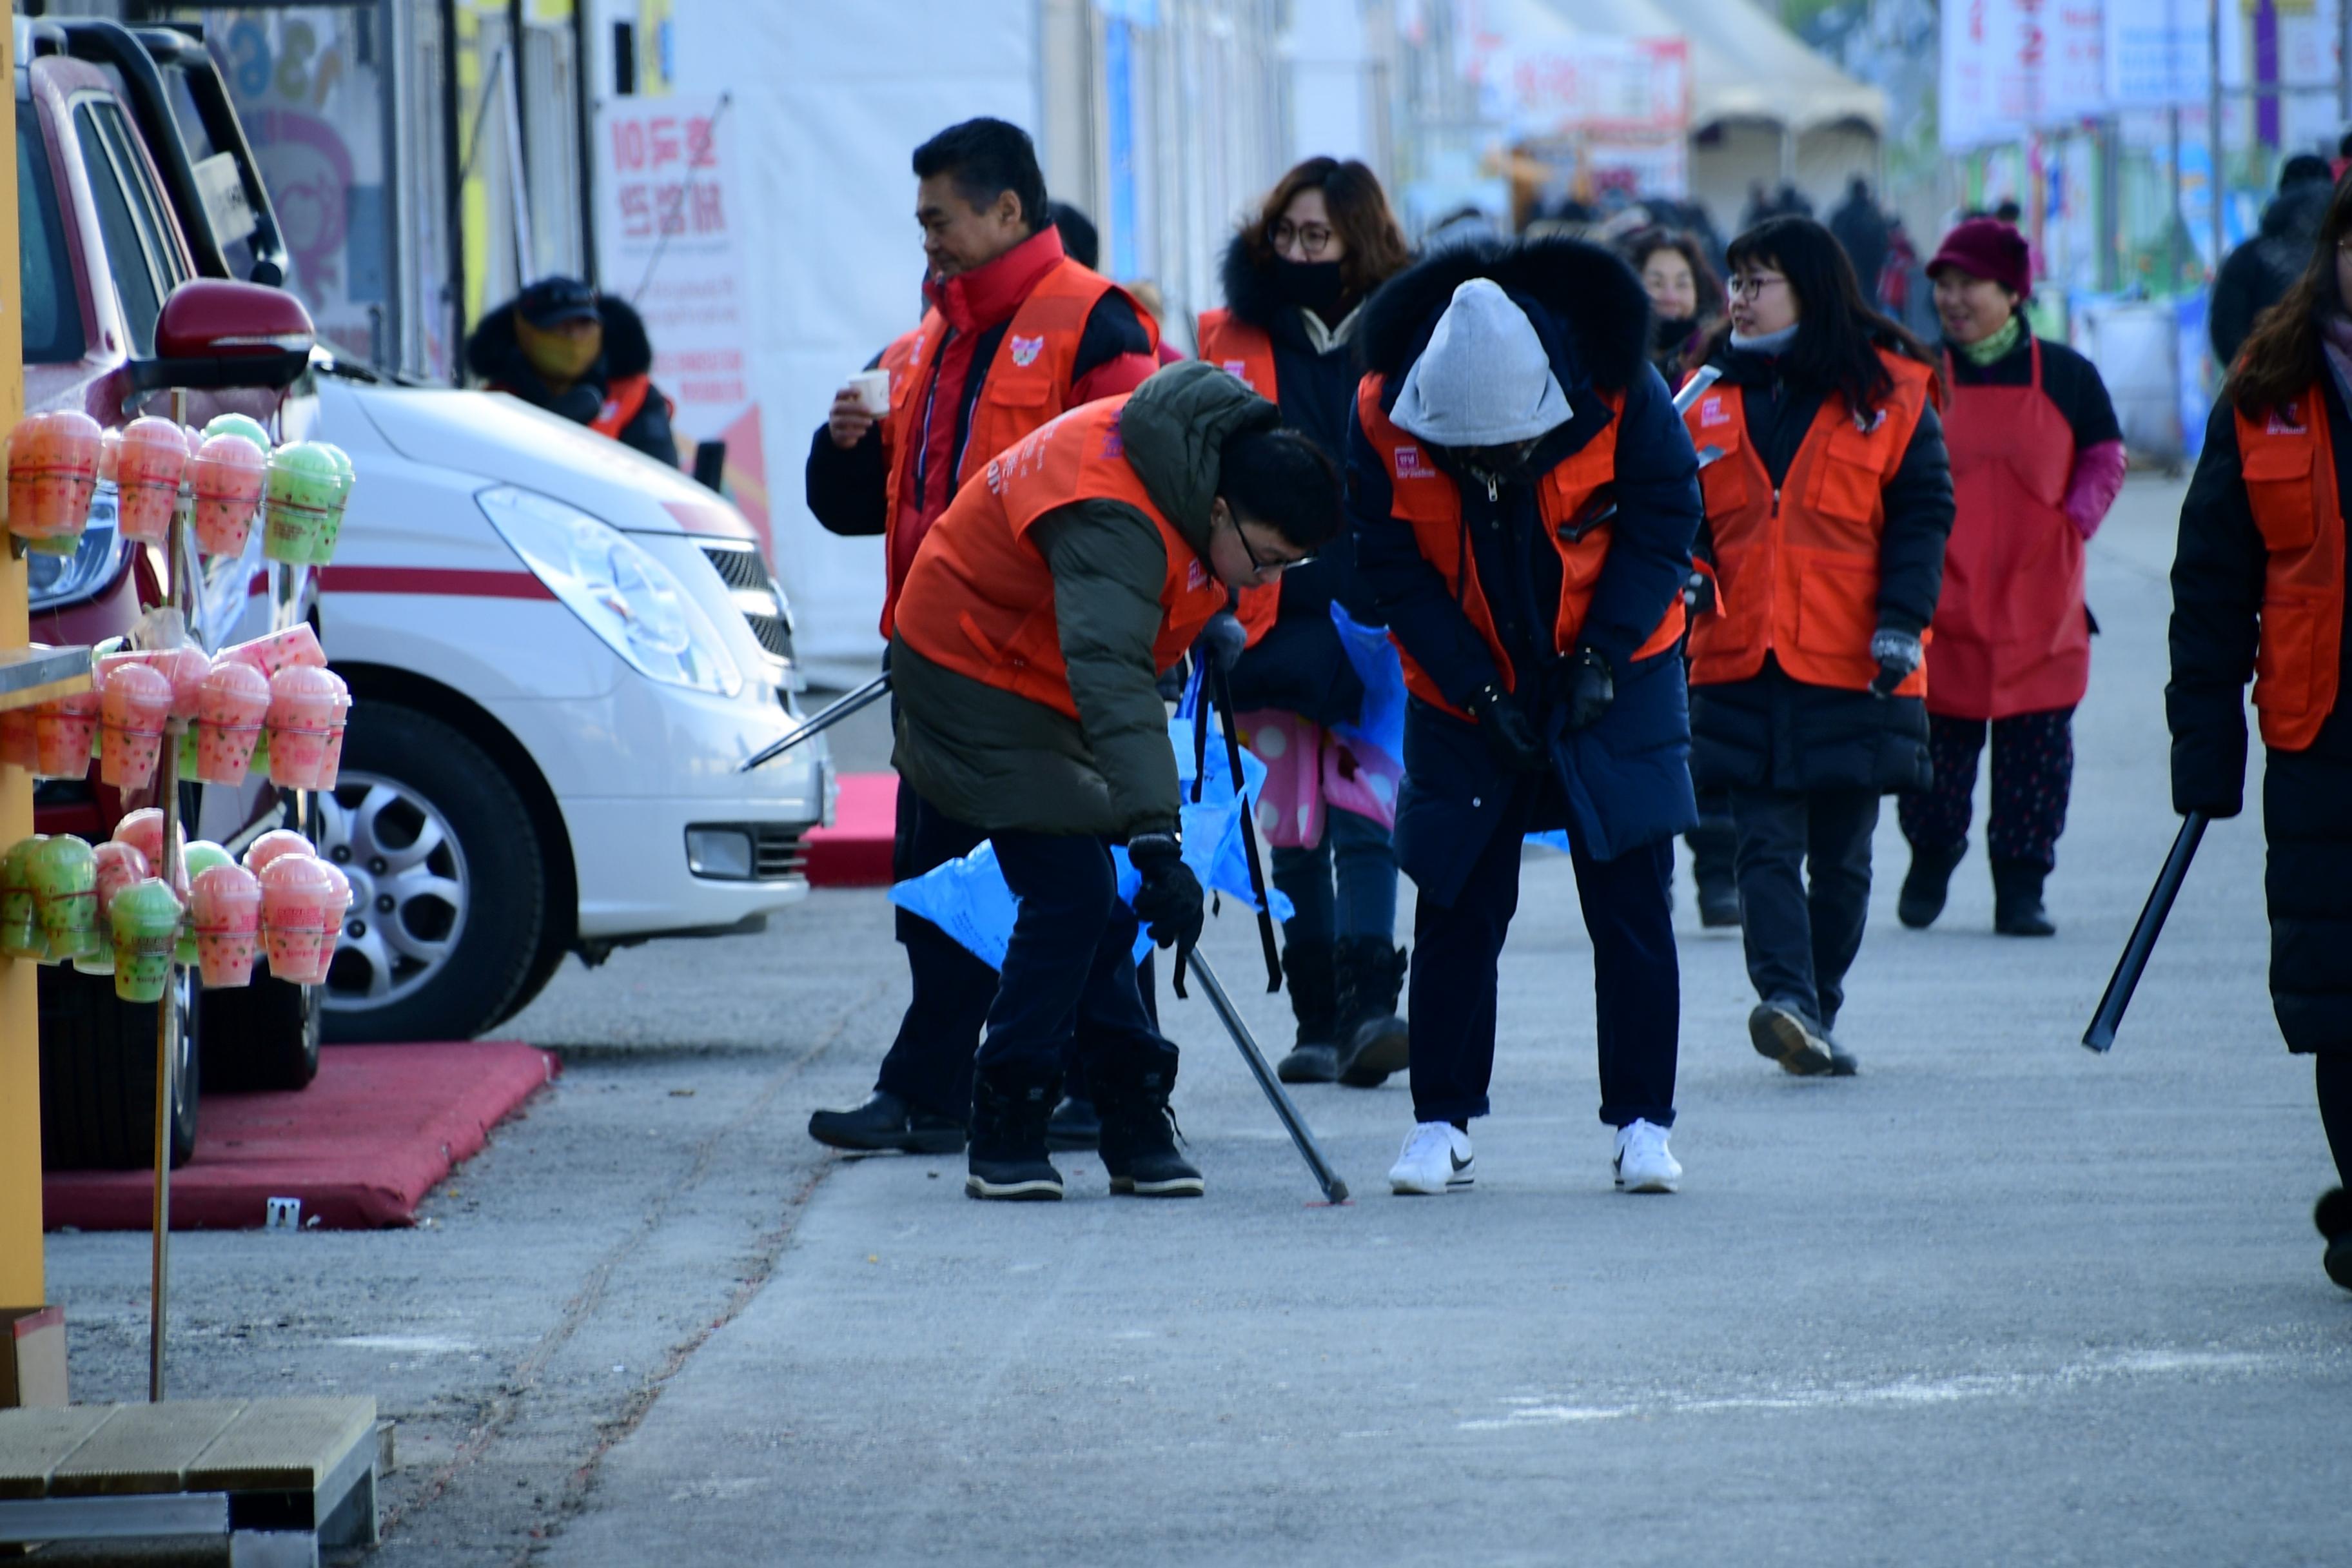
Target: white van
x=560, y=652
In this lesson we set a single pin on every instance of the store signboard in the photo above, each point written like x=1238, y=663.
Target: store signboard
x=1620, y=86
x=2158, y=52
x=669, y=240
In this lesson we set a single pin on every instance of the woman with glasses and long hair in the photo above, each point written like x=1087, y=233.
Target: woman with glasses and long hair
x=1828, y=500
x=2258, y=589
x=1296, y=279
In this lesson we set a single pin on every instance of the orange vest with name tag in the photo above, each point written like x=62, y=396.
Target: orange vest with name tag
x=1245, y=354
x=2288, y=464
x=1426, y=496
x=980, y=597
x=1796, y=568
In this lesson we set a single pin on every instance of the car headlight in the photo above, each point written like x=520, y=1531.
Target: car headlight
x=616, y=586
x=55, y=580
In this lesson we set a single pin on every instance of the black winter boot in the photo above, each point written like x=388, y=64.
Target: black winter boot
x=1306, y=973
x=1375, y=1040
x=2017, y=899
x=1712, y=847
x=1008, y=1112
x=2334, y=1219
x=885, y=1123
x=1075, y=1126
x=1132, y=1083
x=1924, y=888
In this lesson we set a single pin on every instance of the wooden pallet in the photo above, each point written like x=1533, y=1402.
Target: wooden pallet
x=277, y=1477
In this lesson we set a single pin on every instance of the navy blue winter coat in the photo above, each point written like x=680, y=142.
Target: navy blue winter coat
x=1625, y=782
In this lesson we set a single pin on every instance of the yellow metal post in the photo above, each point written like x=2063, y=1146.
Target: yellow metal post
x=20, y=1053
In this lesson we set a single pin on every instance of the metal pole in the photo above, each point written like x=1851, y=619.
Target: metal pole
x=177, y=582
x=2213, y=121
x=2101, y=1034
x=2177, y=230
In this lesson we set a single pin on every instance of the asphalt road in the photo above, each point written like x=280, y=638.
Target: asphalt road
x=1995, y=1300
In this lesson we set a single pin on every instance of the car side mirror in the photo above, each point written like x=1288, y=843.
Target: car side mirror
x=214, y=334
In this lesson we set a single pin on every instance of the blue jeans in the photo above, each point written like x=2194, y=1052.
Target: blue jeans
x=1357, y=855
x=1068, y=976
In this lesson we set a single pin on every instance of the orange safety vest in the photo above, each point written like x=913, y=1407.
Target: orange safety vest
x=2288, y=463
x=1028, y=382
x=1427, y=497
x=980, y=597
x=1797, y=568
x=623, y=397
x=1245, y=354
x=898, y=359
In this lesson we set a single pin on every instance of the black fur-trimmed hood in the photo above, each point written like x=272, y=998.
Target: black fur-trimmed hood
x=1250, y=293
x=1600, y=315
x=493, y=352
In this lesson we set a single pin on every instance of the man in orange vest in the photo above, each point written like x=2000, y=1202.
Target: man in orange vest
x=1014, y=333
x=1511, y=400
x=1032, y=630
x=562, y=346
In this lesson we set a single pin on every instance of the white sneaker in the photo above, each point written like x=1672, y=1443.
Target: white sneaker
x=1645, y=1163
x=1436, y=1159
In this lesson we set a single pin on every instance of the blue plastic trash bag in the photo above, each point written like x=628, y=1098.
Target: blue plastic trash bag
x=1374, y=660
x=1555, y=840
x=967, y=900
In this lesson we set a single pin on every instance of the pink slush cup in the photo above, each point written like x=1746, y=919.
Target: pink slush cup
x=63, y=729
x=322, y=957
x=144, y=829
x=148, y=468
x=228, y=474
x=227, y=905
x=301, y=908
x=229, y=714
x=307, y=711
x=52, y=475
x=270, y=845
x=137, y=704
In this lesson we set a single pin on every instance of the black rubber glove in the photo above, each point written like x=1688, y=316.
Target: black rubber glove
x=1222, y=641
x=1899, y=653
x=1591, y=689
x=1509, y=733
x=1169, y=903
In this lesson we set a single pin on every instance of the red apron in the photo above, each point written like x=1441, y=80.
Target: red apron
x=2012, y=635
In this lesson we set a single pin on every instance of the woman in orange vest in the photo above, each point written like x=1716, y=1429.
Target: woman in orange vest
x=1296, y=279
x=1828, y=503
x=1039, y=612
x=2037, y=458
x=2258, y=588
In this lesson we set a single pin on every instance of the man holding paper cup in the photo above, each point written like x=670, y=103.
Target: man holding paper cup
x=1014, y=333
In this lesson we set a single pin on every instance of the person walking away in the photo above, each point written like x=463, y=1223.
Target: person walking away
x=1509, y=387
x=2257, y=275
x=1826, y=520
x=2258, y=588
x=1296, y=279
x=562, y=346
x=1861, y=228
x=1685, y=306
x=1014, y=331
x=2037, y=458
x=1038, y=613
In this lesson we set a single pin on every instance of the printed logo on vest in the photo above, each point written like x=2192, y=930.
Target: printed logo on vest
x=1026, y=350
x=1196, y=576
x=612, y=407
x=1869, y=425
x=1412, y=465
x=1114, y=443
x=2285, y=422
x=1239, y=370
x=1711, y=412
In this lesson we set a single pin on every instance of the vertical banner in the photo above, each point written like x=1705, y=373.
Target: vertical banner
x=669, y=241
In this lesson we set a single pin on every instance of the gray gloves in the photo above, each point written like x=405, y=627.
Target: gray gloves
x=1899, y=653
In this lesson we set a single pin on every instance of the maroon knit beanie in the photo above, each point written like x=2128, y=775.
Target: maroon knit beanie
x=1988, y=249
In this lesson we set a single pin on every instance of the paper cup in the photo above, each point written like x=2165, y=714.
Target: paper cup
x=20, y=915
x=307, y=709
x=230, y=711
x=873, y=387
x=225, y=902
x=64, y=729
x=228, y=475
x=64, y=890
x=137, y=704
x=145, y=921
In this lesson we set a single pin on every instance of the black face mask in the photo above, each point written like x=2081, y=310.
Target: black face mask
x=1310, y=285
x=1669, y=334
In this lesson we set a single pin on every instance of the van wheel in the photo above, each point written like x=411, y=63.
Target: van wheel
x=448, y=882
x=264, y=1036
x=98, y=1074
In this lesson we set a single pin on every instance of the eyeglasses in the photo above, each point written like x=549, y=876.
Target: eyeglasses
x=1748, y=285
x=1313, y=238
x=1259, y=564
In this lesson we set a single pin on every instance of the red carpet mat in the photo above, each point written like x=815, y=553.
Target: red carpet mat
x=360, y=1147
x=854, y=852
